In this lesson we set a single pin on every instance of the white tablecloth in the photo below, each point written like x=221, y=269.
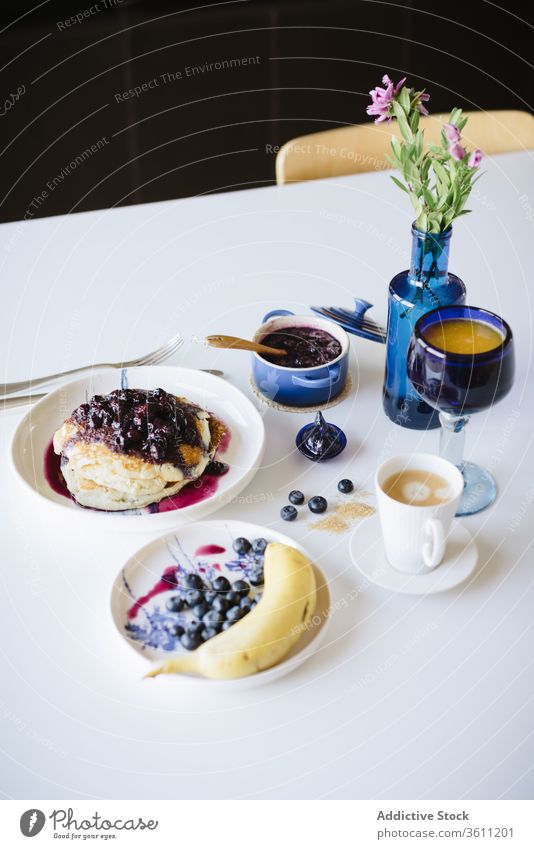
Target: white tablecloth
x=410, y=697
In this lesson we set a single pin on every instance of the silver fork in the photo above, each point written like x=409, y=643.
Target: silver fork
x=157, y=356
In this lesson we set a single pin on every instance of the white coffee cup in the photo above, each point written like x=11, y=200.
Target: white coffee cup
x=415, y=536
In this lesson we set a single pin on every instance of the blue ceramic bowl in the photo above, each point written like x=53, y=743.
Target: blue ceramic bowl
x=300, y=387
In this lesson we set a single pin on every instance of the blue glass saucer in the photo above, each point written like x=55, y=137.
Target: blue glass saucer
x=320, y=440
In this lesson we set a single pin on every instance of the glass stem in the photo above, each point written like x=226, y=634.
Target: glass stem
x=452, y=438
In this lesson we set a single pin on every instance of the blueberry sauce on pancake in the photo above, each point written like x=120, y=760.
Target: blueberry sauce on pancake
x=150, y=424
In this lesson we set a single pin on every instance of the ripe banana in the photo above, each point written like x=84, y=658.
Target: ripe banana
x=265, y=635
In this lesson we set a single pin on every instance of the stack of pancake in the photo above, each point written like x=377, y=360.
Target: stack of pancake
x=131, y=448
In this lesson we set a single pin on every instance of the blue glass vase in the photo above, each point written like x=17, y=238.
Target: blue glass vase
x=425, y=286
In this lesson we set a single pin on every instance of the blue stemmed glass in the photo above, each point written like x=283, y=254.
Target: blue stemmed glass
x=461, y=384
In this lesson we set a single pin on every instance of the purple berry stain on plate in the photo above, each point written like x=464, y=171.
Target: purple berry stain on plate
x=168, y=581
x=206, y=550
x=193, y=493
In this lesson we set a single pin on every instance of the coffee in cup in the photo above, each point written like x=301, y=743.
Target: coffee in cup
x=417, y=497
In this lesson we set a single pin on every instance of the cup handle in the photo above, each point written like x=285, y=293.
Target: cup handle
x=434, y=547
x=274, y=313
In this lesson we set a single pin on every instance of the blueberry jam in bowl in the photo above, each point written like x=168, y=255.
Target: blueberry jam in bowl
x=314, y=369
x=305, y=347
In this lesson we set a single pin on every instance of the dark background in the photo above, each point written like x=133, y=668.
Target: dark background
x=218, y=130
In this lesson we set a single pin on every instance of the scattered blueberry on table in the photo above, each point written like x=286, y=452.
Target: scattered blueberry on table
x=317, y=504
x=345, y=486
x=289, y=513
x=296, y=497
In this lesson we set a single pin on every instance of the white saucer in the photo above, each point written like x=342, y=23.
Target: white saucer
x=367, y=554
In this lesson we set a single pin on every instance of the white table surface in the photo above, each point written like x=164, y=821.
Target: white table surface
x=411, y=697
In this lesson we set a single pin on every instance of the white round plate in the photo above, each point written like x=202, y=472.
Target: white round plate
x=367, y=554
x=243, y=453
x=141, y=618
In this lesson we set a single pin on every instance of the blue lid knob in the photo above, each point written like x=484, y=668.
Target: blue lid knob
x=321, y=440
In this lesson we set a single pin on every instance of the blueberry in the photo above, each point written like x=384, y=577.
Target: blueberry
x=256, y=599
x=216, y=468
x=193, y=597
x=209, y=597
x=220, y=604
x=233, y=598
x=221, y=584
x=241, y=587
x=174, y=604
x=317, y=504
x=227, y=625
x=234, y=614
x=241, y=545
x=259, y=545
x=192, y=581
x=213, y=619
x=175, y=630
x=245, y=604
x=256, y=577
x=208, y=633
x=193, y=627
x=199, y=610
x=296, y=496
x=191, y=641
x=345, y=485
x=289, y=513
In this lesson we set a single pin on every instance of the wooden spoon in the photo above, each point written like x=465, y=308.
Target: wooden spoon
x=219, y=341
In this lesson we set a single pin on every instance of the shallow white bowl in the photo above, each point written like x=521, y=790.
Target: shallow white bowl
x=244, y=453
x=144, y=569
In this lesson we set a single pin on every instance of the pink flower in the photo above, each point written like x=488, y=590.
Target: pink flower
x=452, y=132
x=475, y=159
x=456, y=151
x=382, y=98
x=423, y=97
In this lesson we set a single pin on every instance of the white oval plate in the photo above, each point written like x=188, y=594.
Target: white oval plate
x=244, y=452
x=144, y=571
